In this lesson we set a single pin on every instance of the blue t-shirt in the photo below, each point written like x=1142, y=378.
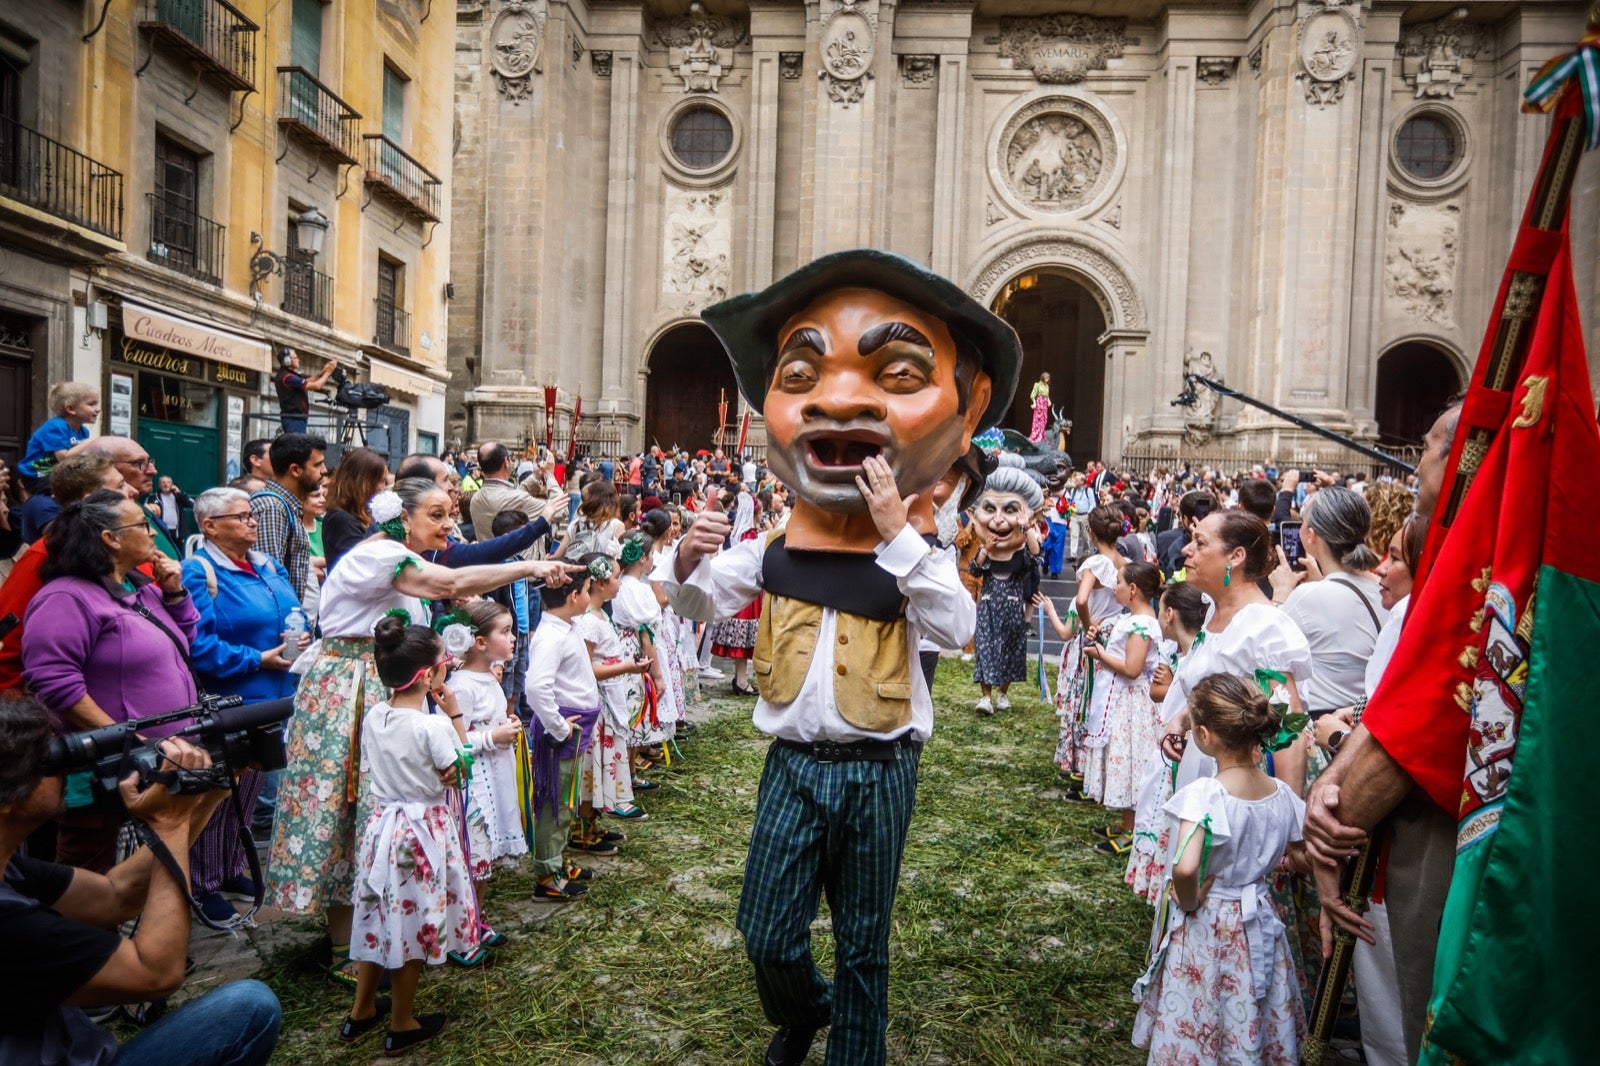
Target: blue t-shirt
x=54, y=436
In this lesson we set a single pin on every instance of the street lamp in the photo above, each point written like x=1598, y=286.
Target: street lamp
x=310, y=226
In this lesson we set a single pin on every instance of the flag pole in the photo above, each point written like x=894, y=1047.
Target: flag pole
x=1521, y=296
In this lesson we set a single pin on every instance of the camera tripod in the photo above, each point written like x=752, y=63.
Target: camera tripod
x=353, y=429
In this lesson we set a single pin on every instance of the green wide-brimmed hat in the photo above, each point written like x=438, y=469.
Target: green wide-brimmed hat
x=748, y=325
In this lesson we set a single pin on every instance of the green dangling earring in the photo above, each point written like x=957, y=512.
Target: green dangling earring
x=1227, y=577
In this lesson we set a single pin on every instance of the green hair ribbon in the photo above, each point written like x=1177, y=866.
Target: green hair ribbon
x=400, y=613
x=456, y=617
x=632, y=551
x=1292, y=725
x=600, y=569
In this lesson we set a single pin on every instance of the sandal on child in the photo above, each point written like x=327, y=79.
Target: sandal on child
x=354, y=1028
x=1117, y=845
x=470, y=960
x=641, y=785
x=397, y=1044
x=574, y=873
x=560, y=892
x=629, y=811
x=488, y=938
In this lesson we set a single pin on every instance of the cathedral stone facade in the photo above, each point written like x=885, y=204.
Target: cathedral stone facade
x=1311, y=200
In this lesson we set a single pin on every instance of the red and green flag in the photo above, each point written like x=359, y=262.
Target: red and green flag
x=1487, y=701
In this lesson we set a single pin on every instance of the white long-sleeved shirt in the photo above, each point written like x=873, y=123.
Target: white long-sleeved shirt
x=559, y=675
x=937, y=607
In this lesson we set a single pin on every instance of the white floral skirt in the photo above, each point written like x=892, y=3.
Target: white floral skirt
x=1111, y=766
x=1199, y=1010
x=413, y=892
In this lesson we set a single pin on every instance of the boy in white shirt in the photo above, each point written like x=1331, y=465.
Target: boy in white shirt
x=565, y=700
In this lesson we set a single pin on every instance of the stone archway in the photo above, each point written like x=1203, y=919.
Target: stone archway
x=1060, y=324
x=688, y=371
x=1097, y=288
x=1415, y=379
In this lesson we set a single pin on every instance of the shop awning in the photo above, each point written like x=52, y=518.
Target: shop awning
x=190, y=337
x=402, y=380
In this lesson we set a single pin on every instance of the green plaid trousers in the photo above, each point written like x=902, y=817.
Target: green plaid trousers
x=838, y=828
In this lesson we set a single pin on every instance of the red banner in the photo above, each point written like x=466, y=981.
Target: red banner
x=549, y=416
x=577, y=411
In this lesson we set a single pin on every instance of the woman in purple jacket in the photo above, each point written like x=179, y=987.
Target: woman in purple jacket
x=102, y=643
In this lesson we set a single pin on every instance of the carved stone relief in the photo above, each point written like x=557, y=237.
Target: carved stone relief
x=1200, y=420
x=849, y=38
x=516, y=47
x=1437, y=57
x=701, y=45
x=601, y=62
x=1057, y=154
x=1110, y=286
x=1256, y=57
x=1113, y=217
x=1214, y=70
x=1329, y=47
x=1061, y=49
x=1420, y=257
x=993, y=215
x=789, y=64
x=696, y=242
x=919, y=70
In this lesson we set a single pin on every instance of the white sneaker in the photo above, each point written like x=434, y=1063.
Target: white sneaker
x=713, y=673
x=1002, y=704
x=984, y=706
x=966, y=656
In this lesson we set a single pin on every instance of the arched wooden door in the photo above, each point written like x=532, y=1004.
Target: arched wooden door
x=689, y=375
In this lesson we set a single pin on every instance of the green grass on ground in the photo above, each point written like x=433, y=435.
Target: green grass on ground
x=1014, y=941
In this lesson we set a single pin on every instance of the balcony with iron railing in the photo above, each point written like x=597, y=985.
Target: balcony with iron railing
x=184, y=240
x=309, y=109
x=47, y=176
x=213, y=34
x=393, y=332
x=398, y=177
x=307, y=292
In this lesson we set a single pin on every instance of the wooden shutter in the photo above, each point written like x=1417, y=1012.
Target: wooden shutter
x=394, y=104
x=305, y=42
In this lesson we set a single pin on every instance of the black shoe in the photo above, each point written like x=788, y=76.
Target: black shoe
x=743, y=690
x=397, y=1044
x=789, y=1046
x=353, y=1029
x=592, y=847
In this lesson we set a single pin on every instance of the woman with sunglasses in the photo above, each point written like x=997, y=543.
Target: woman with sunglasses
x=104, y=644
x=243, y=598
x=315, y=832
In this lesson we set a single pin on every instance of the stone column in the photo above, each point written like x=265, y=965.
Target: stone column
x=767, y=23
x=622, y=204
x=1310, y=135
x=851, y=52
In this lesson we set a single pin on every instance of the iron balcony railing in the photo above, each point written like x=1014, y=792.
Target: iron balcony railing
x=212, y=33
x=307, y=292
x=184, y=240
x=393, y=328
x=391, y=172
x=308, y=107
x=47, y=175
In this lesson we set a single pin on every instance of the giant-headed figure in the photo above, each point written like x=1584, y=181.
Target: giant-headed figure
x=872, y=375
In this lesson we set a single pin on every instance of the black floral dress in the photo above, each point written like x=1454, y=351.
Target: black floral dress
x=1001, y=638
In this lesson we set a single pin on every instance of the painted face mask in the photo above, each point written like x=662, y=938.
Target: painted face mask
x=1005, y=517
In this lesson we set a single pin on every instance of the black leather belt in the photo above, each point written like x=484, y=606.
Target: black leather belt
x=854, y=750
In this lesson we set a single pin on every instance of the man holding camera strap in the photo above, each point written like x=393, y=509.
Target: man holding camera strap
x=58, y=924
x=295, y=388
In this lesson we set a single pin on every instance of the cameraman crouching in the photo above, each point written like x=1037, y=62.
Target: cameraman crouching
x=58, y=924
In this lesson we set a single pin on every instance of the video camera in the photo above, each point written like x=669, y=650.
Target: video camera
x=236, y=737
x=358, y=395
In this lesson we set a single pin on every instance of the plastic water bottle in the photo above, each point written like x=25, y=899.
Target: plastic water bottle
x=295, y=625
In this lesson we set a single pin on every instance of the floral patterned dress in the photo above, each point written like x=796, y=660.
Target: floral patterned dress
x=413, y=892
x=315, y=831
x=1221, y=987
x=1076, y=679
x=495, y=833
x=607, y=779
x=634, y=610
x=1122, y=727
x=1152, y=833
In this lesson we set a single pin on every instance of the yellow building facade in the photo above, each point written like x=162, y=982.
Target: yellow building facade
x=189, y=188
